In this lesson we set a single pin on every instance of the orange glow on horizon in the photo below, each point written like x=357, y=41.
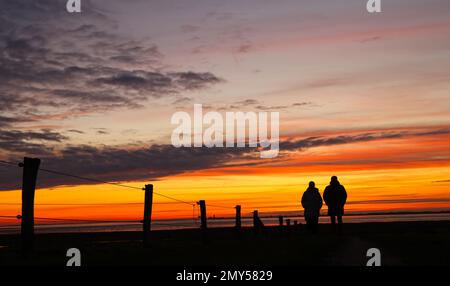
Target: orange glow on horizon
x=384, y=175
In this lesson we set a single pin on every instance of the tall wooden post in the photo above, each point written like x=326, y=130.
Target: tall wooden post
x=256, y=222
x=203, y=224
x=238, y=217
x=30, y=171
x=280, y=220
x=148, y=213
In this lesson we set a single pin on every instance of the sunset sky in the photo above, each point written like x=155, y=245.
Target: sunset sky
x=361, y=96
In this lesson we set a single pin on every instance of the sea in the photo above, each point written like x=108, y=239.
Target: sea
x=104, y=226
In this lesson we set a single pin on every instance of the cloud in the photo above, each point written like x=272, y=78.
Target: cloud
x=30, y=142
x=257, y=105
x=117, y=164
x=272, y=107
x=54, y=65
x=158, y=161
x=311, y=142
x=297, y=104
x=182, y=101
x=44, y=135
x=318, y=141
x=278, y=107
x=8, y=121
x=138, y=80
x=247, y=102
x=75, y=131
x=159, y=83
x=192, y=80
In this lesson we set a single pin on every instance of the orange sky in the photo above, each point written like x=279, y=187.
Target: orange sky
x=384, y=175
x=361, y=96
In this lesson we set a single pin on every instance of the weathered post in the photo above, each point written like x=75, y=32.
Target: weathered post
x=255, y=219
x=147, y=225
x=295, y=225
x=30, y=171
x=257, y=222
x=288, y=222
x=203, y=224
x=280, y=220
x=238, y=217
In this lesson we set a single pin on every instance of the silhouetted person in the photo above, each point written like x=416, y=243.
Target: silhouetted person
x=335, y=197
x=312, y=203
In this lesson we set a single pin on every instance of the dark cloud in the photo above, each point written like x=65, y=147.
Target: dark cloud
x=54, y=66
x=115, y=164
x=157, y=161
x=100, y=100
x=192, y=80
x=252, y=102
x=274, y=107
x=318, y=141
x=247, y=102
x=75, y=131
x=51, y=63
x=182, y=101
x=44, y=135
x=311, y=142
x=297, y=104
x=441, y=131
x=159, y=83
x=8, y=121
x=29, y=142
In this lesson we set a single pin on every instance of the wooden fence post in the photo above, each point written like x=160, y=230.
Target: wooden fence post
x=238, y=217
x=203, y=224
x=147, y=225
x=280, y=220
x=257, y=222
x=30, y=171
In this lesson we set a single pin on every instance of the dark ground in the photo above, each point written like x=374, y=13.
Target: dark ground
x=401, y=243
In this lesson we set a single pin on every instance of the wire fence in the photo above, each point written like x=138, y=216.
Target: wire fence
x=222, y=211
